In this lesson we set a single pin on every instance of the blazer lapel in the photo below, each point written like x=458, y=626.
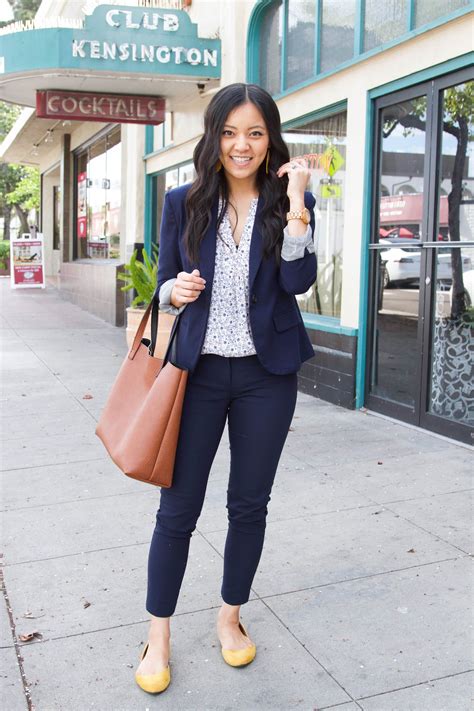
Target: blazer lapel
x=208, y=248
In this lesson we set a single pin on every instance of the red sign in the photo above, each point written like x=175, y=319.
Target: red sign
x=85, y=106
x=82, y=205
x=401, y=209
x=27, y=259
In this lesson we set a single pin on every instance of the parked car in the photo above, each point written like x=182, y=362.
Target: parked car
x=401, y=264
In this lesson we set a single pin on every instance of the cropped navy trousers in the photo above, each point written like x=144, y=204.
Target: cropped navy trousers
x=259, y=407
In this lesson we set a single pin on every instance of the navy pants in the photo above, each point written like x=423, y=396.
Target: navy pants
x=259, y=406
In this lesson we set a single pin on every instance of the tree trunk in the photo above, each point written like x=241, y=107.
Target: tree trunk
x=458, y=305
x=23, y=219
x=7, y=216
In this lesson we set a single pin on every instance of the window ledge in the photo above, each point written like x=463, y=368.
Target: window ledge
x=330, y=324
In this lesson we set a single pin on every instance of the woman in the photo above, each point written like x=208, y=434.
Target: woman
x=236, y=246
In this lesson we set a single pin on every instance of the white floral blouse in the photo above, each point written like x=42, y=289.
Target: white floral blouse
x=228, y=331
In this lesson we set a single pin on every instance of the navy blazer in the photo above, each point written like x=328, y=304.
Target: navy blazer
x=278, y=332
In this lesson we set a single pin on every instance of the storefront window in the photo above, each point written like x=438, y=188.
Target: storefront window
x=56, y=215
x=300, y=39
x=383, y=22
x=337, y=33
x=271, y=31
x=98, y=186
x=326, y=141
x=429, y=10
x=163, y=134
x=162, y=183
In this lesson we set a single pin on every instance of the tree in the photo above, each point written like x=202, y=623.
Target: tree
x=19, y=184
x=8, y=174
x=22, y=10
x=26, y=194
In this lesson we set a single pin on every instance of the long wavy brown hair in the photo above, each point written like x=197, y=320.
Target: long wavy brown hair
x=200, y=196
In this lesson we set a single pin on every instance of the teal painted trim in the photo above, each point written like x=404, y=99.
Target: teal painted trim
x=359, y=27
x=329, y=324
x=175, y=166
x=373, y=52
x=148, y=214
x=364, y=258
x=148, y=217
x=283, y=67
x=317, y=115
x=158, y=151
x=149, y=140
x=432, y=72
x=253, y=41
x=411, y=15
x=317, y=41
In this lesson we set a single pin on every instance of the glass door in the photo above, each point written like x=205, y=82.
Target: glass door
x=420, y=342
x=449, y=301
x=400, y=187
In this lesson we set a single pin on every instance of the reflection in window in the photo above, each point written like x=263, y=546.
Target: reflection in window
x=402, y=170
x=337, y=34
x=98, y=201
x=396, y=263
x=300, y=41
x=342, y=31
x=271, y=31
x=383, y=21
x=429, y=10
x=327, y=139
x=162, y=183
x=452, y=377
x=56, y=216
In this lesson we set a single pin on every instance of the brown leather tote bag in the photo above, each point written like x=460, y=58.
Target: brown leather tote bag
x=139, y=424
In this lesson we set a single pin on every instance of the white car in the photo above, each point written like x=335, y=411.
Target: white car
x=402, y=265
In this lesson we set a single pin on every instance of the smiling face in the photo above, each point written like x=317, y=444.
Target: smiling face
x=244, y=143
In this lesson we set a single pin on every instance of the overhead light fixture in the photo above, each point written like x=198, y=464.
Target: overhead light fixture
x=66, y=123
x=49, y=137
x=34, y=151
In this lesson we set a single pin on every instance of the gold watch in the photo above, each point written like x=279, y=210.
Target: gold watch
x=303, y=214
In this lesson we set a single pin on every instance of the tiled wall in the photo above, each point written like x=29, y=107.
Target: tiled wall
x=331, y=374
x=94, y=287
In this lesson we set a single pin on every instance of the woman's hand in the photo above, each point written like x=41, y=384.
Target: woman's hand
x=187, y=288
x=298, y=177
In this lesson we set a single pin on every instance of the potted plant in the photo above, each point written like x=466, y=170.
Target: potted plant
x=142, y=276
x=5, y=258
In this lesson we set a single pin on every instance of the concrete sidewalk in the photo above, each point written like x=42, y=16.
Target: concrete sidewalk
x=362, y=597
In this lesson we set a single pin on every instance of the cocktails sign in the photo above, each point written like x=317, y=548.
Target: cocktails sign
x=86, y=106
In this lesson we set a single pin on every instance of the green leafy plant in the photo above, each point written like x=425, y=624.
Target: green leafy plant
x=4, y=249
x=141, y=276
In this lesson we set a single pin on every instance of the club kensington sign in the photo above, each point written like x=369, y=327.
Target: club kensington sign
x=114, y=38
x=163, y=24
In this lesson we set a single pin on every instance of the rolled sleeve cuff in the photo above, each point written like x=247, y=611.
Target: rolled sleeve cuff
x=294, y=247
x=165, y=298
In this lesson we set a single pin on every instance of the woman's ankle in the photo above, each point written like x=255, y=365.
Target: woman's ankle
x=159, y=628
x=229, y=613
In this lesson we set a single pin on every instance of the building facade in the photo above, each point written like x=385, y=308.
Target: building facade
x=380, y=98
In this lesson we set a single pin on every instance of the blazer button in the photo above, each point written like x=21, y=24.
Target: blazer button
x=254, y=299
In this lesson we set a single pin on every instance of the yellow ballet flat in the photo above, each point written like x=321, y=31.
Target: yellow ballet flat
x=240, y=657
x=153, y=683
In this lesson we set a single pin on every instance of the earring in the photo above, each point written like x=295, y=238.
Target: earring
x=266, y=164
x=218, y=166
